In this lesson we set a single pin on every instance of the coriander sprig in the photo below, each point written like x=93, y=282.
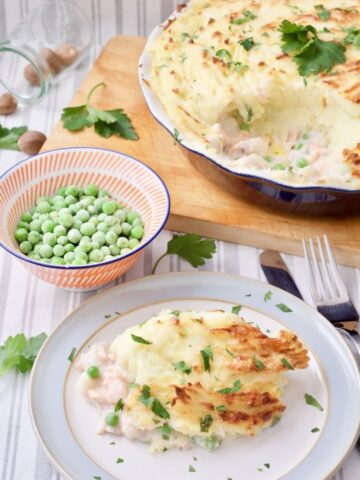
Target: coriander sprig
x=19, y=353
x=105, y=122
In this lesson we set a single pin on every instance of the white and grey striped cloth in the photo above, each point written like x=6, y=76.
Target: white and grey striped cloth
x=31, y=306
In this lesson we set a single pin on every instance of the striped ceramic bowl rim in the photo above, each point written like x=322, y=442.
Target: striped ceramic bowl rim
x=127, y=179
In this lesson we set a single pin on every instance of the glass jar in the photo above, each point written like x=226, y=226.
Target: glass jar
x=42, y=49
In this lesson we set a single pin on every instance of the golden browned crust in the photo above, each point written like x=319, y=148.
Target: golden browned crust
x=352, y=157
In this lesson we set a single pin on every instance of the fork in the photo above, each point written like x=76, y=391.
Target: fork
x=329, y=292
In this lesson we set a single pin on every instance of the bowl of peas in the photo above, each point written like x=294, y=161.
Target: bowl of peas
x=80, y=217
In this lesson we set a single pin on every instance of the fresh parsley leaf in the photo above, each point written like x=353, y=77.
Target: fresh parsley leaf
x=119, y=405
x=145, y=395
x=120, y=460
x=207, y=355
x=236, y=309
x=245, y=126
x=250, y=115
x=96, y=477
x=190, y=247
x=106, y=122
x=181, y=365
x=310, y=53
x=187, y=36
x=352, y=37
x=205, y=423
x=287, y=364
x=322, y=12
x=10, y=136
x=258, y=363
x=176, y=313
x=19, y=352
x=153, y=403
x=195, y=459
x=315, y=430
x=310, y=400
x=191, y=469
x=221, y=408
x=267, y=296
x=165, y=431
x=247, y=16
x=283, y=307
x=235, y=388
x=223, y=54
x=176, y=136
x=247, y=43
x=72, y=354
x=229, y=352
x=142, y=340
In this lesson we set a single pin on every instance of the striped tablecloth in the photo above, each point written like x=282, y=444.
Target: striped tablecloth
x=31, y=306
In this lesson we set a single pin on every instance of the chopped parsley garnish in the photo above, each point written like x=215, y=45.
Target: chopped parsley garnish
x=238, y=66
x=267, y=465
x=72, y=354
x=165, y=431
x=258, y=363
x=352, y=37
x=247, y=43
x=311, y=54
x=298, y=146
x=107, y=315
x=119, y=405
x=191, y=468
x=195, y=459
x=153, y=403
x=245, y=126
x=284, y=308
x=236, y=309
x=279, y=166
x=207, y=355
x=181, y=365
x=287, y=364
x=310, y=400
x=120, y=460
x=186, y=36
x=140, y=340
x=183, y=57
x=315, y=429
x=221, y=408
x=268, y=159
x=322, y=12
x=229, y=352
x=275, y=420
x=250, y=115
x=235, y=388
x=223, y=53
x=96, y=477
x=112, y=443
x=247, y=16
x=205, y=423
x=302, y=162
x=176, y=313
x=176, y=136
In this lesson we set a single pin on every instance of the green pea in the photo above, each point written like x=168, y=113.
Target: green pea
x=91, y=190
x=133, y=242
x=102, y=227
x=72, y=190
x=117, y=229
x=60, y=230
x=110, y=221
x=69, y=247
x=114, y=250
x=109, y=207
x=131, y=216
x=88, y=229
x=74, y=235
x=85, y=246
x=44, y=207
x=122, y=242
x=70, y=200
x=84, y=202
x=62, y=240
x=102, y=216
x=112, y=419
x=78, y=261
x=83, y=215
x=99, y=237
x=95, y=245
x=61, y=191
x=121, y=215
x=34, y=237
x=23, y=225
x=77, y=223
x=98, y=204
x=108, y=257
x=59, y=251
x=65, y=219
x=25, y=247
x=93, y=372
x=124, y=251
x=21, y=234
x=81, y=255
x=46, y=260
x=96, y=256
x=59, y=205
x=48, y=226
x=126, y=228
x=137, y=232
x=26, y=217
x=34, y=256
x=69, y=257
x=92, y=209
x=111, y=238
x=137, y=221
x=75, y=208
x=35, y=225
x=37, y=248
x=57, y=261
x=45, y=251
x=58, y=198
x=105, y=250
x=103, y=193
x=49, y=239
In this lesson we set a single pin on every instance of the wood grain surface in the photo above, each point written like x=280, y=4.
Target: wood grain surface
x=197, y=203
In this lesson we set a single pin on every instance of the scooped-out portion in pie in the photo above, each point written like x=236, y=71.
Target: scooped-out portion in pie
x=190, y=378
x=270, y=88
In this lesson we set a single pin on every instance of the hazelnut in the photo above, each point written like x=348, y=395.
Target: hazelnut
x=31, y=76
x=31, y=142
x=67, y=53
x=52, y=60
x=8, y=104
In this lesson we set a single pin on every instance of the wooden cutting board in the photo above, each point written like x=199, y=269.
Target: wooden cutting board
x=197, y=204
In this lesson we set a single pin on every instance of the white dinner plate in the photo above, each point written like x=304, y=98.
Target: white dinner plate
x=66, y=424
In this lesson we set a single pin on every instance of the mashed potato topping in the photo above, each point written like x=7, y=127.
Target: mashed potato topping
x=190, y=378
x=220, y=74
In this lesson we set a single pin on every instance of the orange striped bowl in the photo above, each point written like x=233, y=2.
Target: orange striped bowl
x=128, y=181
